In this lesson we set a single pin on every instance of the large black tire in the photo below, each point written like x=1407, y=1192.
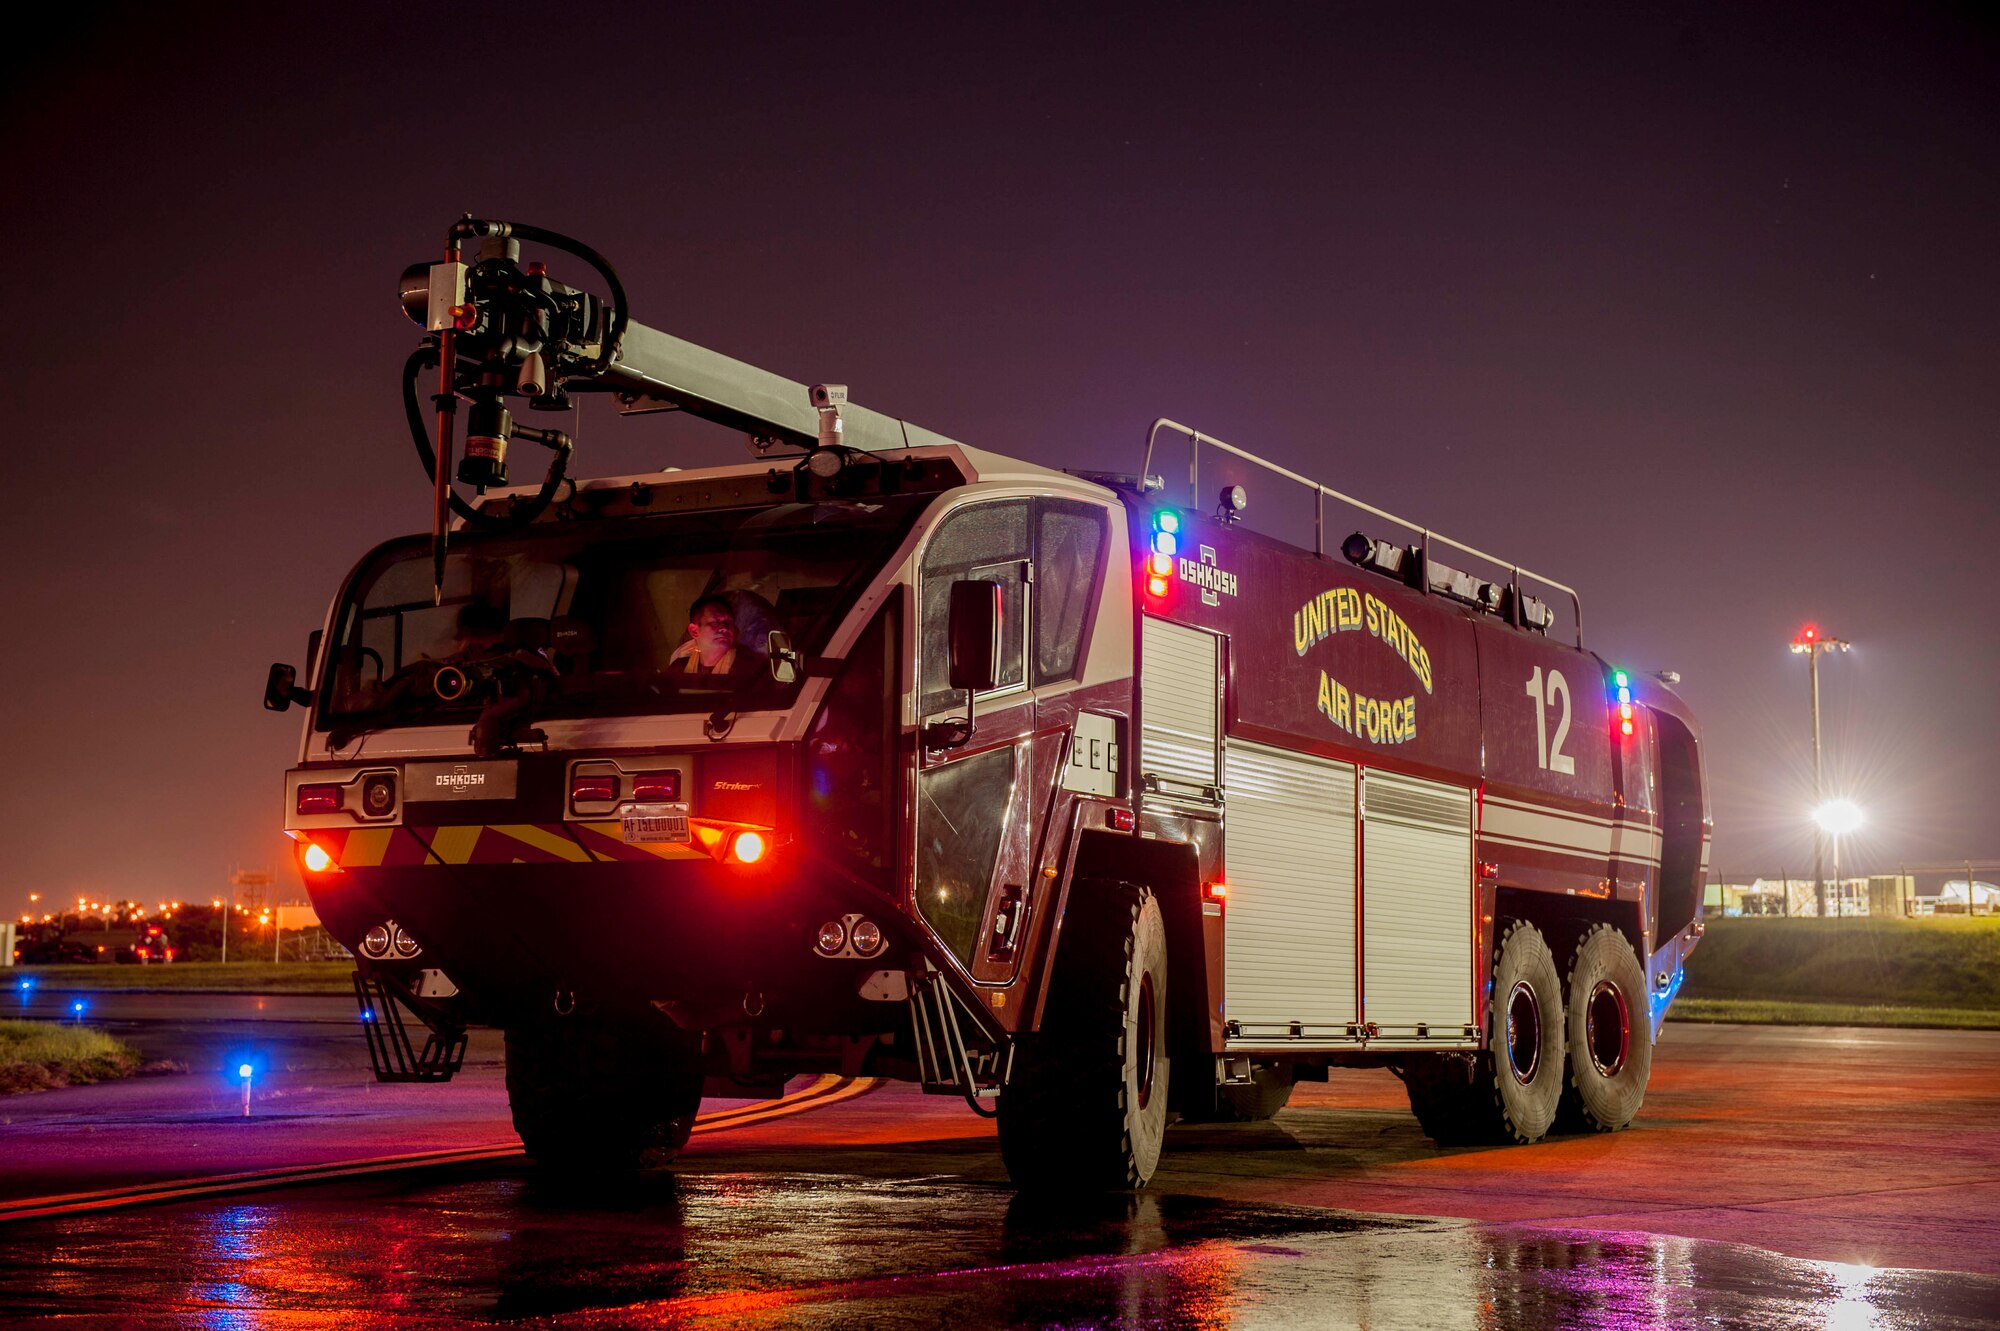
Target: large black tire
x=1609, y=1032
x=1510, y=1091
x=590, y=1096
x=1085, y=1107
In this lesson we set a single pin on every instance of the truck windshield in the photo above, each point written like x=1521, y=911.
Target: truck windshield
x=617, y=616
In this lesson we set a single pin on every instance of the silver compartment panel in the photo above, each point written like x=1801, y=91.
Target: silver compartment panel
x=1288, y=921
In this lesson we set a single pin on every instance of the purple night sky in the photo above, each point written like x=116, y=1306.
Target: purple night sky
x=1695, y=310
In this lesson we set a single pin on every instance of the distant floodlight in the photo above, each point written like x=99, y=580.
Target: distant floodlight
x=1838, y=817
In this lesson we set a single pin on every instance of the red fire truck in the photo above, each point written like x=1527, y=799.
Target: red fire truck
x=884, y=755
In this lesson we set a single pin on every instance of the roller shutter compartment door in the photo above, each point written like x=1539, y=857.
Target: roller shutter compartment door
x=1416, y=907
x=1288, y=921
x=1180, y=683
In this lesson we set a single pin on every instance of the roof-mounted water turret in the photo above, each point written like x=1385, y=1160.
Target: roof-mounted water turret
x=499, y=329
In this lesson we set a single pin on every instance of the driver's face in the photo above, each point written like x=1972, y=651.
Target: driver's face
x=714, y=631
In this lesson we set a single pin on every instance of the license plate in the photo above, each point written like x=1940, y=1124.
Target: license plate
x=648, y=823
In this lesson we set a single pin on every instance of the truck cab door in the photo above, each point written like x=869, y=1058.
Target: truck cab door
x=974, y=812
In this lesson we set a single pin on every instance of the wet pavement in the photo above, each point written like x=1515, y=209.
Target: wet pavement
x=1863, y=1155
x=725, y=1249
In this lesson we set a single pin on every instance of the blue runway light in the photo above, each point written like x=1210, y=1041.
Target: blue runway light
x=244, y=1072
x=368, y=1014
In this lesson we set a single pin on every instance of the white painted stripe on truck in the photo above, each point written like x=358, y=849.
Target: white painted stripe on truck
x=1511, y=822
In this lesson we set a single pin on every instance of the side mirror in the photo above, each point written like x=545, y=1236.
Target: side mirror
x=974, y=635
x=973, y=656
x=281, y=688
x=784, y=661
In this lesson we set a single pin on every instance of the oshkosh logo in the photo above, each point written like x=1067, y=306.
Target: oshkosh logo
x=460, y=779
x=1214, y=583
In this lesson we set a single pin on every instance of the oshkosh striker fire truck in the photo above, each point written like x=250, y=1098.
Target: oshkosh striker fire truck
x=1069, y=794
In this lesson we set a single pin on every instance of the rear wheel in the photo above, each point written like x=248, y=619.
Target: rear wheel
x=1508, y=1092
x=1609, y=1031
x=591, y=1095
x=1086, y=1103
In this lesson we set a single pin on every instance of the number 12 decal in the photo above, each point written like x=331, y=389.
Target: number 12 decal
x=1549, y=753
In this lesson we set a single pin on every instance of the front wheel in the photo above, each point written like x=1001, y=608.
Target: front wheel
x=592, y=1096
x=1609, y=1032
x=1085, y=1106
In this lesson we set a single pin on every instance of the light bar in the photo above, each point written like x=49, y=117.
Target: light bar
x=1166, y=545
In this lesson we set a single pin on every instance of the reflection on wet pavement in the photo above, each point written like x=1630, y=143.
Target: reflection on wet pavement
x=836, y=1251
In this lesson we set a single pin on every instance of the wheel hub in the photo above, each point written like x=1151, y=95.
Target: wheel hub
x=1524, y=1032
x=1146, y=1026
x=1607, y=1028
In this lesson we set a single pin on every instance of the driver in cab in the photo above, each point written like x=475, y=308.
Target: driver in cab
x=711, y=651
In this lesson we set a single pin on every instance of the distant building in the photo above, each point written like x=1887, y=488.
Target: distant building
x=1882, y=895
x=1953, y=896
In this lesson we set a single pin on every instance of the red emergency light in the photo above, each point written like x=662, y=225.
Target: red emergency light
x=319, y=799
x=594, y=788
x=656, y=787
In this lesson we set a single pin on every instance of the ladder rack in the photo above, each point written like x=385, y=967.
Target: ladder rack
x=1321, y=493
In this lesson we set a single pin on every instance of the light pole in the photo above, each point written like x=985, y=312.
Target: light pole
x=1837, y=818
x=1811, y=642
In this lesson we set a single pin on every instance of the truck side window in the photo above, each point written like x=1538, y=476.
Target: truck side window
x=988, y=541
x=1069, y=547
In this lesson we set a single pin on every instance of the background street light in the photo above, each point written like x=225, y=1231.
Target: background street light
x=1810, y=643
x=1837, y=818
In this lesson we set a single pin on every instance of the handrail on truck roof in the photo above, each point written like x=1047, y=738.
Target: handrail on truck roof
x=1323, y=492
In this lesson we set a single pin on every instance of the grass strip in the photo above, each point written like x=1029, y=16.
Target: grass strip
x=1943, y=962
x=1765, y=1012
x=42, y=1055
x=236, y=977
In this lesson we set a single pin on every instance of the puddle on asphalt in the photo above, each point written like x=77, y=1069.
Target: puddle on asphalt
x=836, y=1251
